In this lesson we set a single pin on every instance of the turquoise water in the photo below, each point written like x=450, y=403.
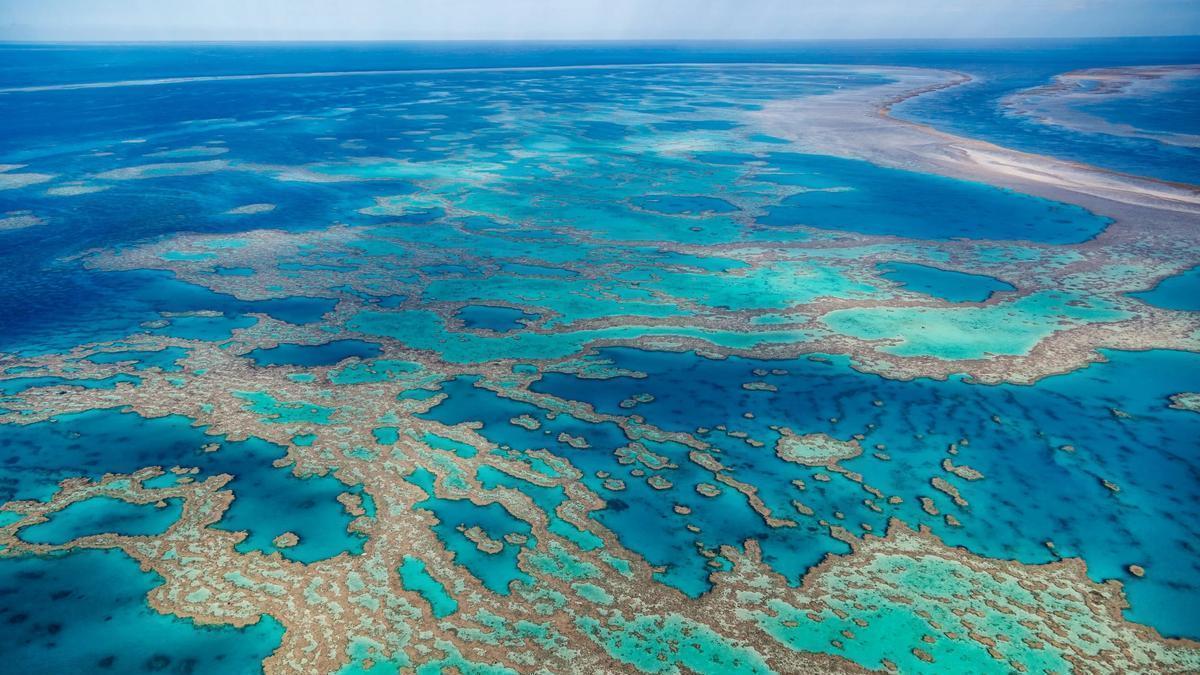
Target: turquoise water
x=634, y=511
x=87, y=612
x=1173, y=108
x=690, y=205
x=495, y=570
x=18, y=384
x=415, y=577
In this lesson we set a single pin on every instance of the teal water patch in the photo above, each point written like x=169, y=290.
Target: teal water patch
x=1011, y=328
x=772, y=140
x=446, y=269
x=275, y=411
x=459, y=448
x=1180, y=292
x=224, y=244
x=672, y=126
x=306, y=507
x=205, y=328
x=99, y=515
x=524, y=269
x=86, y=613
x=422, y=329
x=948, y=285
x=295, y=309
x=415, y=577
x=386, y=435
x=548, y=499
x=641, y=515
x=858, y=196
x=327, y=354
x=575, y=300
x=662, y=644
x=686, y=205
x=775, y=286
x=915, y=592
x=390, y=301
x=380, y=370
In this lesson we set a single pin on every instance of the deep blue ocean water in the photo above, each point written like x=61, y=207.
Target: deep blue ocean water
x=1000, y=66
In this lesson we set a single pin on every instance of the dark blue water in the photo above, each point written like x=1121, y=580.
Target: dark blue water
x=1174, y=110
x=1181, y=292
x=1033, y=490
x=268, y=501
x=488, y=317
x=948, y=285
x=1001, y=66
x=314, y=355
x=919, y=206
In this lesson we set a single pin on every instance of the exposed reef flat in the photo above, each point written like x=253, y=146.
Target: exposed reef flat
x=250, y=209
x=858, y=123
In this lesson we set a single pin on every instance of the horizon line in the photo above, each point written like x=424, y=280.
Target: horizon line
x=568, y=40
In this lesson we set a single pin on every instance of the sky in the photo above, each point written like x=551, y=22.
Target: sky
x=153, y=20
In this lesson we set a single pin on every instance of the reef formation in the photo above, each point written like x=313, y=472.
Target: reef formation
x=666, y=369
